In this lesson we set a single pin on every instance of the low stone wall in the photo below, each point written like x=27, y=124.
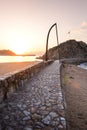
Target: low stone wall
x=75, y=61
x=11, y=82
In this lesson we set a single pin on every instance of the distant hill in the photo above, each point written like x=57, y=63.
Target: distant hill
x=68, y=49
x=7, y=53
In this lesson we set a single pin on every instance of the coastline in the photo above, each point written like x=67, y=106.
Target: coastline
x=10, y=67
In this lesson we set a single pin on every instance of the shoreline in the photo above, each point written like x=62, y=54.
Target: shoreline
x=9, y=67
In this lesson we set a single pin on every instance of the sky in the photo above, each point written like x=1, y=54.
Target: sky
x=24, y=24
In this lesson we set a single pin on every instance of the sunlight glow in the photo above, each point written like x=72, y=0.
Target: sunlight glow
x=19, y=47
x=22, y=42
x=19, y=43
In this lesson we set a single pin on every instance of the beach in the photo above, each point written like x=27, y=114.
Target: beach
x=74, y=86
x=6, y=68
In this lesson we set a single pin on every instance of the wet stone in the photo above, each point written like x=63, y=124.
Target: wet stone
x=43, y=108
x=60, y=126
x=37, y=104
x=21, y=107
x=62, y=118
x=26, y=118
x=22, y=122
x=41, y=125
x=28, y=128
x=53, y=115
x=9, y=108
x=9, y=128
x=2, y=105
x=47, y=120
x=33, y=110
x=6, y=117
x=48, y=104
x=37, y=127
x=64, y=124
x=14, y=123
x=44, y=112
x=49, y=109
x=61, y=106
x=54, y=123
x=26, y=113
x=61, y=113
x=36, y=117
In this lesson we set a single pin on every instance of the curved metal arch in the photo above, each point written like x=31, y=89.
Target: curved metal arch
x=55, y=24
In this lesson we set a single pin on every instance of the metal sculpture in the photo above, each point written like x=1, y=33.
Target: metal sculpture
x=55, y=24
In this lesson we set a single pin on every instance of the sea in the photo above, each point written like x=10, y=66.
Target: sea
x=83, y=65
x=5, y=59
x=8, y=59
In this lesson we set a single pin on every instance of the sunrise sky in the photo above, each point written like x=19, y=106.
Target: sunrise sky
x=24, y=23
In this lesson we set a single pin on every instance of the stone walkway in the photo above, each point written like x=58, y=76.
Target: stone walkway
x=38, y=105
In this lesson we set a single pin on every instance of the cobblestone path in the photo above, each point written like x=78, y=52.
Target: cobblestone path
x=36, y=106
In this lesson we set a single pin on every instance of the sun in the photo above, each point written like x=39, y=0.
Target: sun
x=20, y=49
x=19, y=46
x=20, y=43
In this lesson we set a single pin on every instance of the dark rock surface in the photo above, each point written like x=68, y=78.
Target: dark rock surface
x=7, y=52
x=68, y=49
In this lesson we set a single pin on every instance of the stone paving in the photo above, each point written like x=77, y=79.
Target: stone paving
x=38, y=105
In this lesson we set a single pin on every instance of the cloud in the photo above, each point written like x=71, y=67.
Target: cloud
x=81, y=29
x=84, y=26
x=80, y=32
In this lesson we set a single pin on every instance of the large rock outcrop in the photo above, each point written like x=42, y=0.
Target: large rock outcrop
x=7, y=53
x=68, y=49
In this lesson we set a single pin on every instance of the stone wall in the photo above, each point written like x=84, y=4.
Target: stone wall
x=11, y=82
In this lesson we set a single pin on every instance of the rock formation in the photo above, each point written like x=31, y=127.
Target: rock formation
x=68, y=49
x=7, y=52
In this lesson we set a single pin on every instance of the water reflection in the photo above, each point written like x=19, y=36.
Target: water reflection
x=4, y=59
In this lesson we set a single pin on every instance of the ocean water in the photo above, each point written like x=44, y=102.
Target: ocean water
x=5, y=59
x=83, y=65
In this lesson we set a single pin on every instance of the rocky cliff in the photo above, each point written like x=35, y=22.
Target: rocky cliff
x=7, y=52
x=68, y=49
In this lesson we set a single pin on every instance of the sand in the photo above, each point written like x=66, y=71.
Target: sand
x=74, y=85
x=6, y=68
